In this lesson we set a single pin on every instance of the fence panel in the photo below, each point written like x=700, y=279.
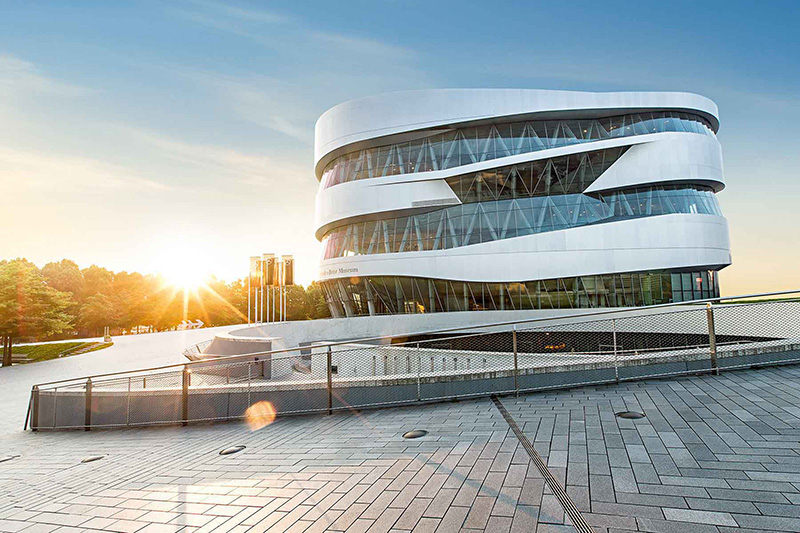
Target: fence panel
x=493, y=359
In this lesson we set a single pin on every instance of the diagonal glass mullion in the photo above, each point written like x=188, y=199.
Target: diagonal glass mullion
x=467, y=149
x=486, y=150
x=500, y=148
x=522, y=218
x=418, y=232
x=387, y=241
x=509, y=217
x=489, y=224
x=373, y=242
x=355, y=240
x=406, y=234
x=455, y=241
x=534, y=138
x=470, y=228
x=439, y=230
x=432, y=154
x=370, y=165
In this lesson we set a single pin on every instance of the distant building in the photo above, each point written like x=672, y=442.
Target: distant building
x=498, y=199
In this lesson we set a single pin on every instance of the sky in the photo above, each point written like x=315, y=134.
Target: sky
x=143, y=135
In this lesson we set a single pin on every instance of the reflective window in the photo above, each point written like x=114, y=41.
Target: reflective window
x=547, y=177
x=378, y=295
x=464, y=146
x=478, y=222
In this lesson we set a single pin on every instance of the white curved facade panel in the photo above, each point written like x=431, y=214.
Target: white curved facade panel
x=670, y=241
x=363, y=198
x=484, y=199
x=666, y=158
x=394, y=113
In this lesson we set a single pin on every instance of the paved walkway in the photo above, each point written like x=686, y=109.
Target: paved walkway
x=130, y=352
x=715, y=454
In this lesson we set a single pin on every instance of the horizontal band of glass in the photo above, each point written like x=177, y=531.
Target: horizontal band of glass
x=567, y=174
x=381, y=295
x=475, y=223
x=465, y=146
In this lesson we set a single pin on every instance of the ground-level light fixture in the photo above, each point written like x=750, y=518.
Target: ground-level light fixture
x=630, y=414
x=232, y=450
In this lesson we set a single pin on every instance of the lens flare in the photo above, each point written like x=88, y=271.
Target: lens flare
x=259, y=415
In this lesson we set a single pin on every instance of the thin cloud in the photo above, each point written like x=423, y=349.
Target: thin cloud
x=248, y=23
x=218, y=161
x=362, y=46
x=37, y=170
x=20, y=77
x=248, y=14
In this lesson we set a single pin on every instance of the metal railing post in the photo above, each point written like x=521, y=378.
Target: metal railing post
x=128, y=405
x=185, y=395
x=87, y=416
x=35, y=407
x=516, y=359
x=614, y=340
x=419, y=377
x=330, y=380
x=249, y=382
x=712, y=338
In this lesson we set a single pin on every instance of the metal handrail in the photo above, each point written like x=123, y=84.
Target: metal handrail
x=241, y=357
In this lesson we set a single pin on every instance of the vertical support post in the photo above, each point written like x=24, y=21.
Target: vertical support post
x=249, y=382
x=712, y=338
x=330, y=381
x=128, y=406
x=419, y=377
x=248, y=298
x=87, y=416
x=614, y=340
x=185, y=395
x=516, y=360
x=35, y=406
x=55, y=407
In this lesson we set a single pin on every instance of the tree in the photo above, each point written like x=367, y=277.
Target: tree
x=64, y=276
x=28, y=306
x=317, y=306
x=296, y=303
x=97, y=313
x=95, y=280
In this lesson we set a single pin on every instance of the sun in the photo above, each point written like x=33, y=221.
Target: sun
x=183, y=266
x=185, y=275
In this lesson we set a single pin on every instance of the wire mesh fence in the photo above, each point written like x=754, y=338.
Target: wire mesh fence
x=555, y=352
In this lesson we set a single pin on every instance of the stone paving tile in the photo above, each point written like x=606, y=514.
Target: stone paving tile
x=715, y=453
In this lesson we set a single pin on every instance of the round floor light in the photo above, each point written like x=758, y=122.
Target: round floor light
x=630, y=414
x=232, y=450
x=414, y=434
x=92, y=458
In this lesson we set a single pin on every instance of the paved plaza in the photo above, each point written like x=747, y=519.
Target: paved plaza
x=715, y=453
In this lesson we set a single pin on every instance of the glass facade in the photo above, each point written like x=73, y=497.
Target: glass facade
x=547, y=177
x=381, y=295
x=456, y=147
x=478, y=222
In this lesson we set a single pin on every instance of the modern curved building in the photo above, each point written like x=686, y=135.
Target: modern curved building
x=499, y=199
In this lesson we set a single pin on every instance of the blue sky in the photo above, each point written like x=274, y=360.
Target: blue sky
x=137, y=134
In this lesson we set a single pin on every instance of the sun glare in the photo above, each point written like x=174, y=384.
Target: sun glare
x=186, y=276
x=183, y=268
